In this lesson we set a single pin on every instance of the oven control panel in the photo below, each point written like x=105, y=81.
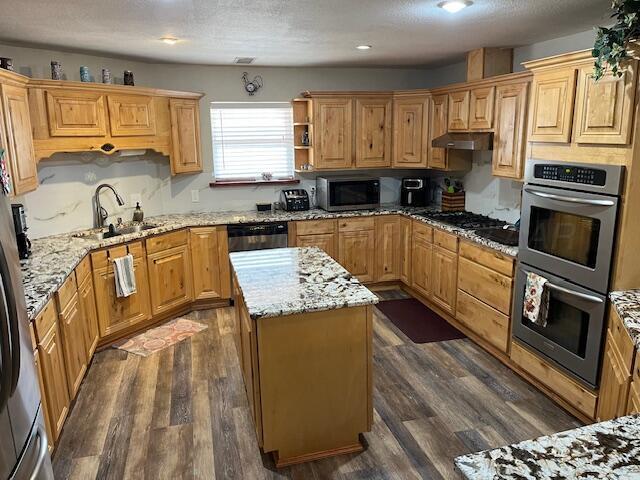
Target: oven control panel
x=571, y=174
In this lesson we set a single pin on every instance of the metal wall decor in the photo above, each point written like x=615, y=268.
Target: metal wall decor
x=252, y=86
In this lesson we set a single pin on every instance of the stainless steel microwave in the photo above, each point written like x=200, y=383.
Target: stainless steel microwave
x=348, y=193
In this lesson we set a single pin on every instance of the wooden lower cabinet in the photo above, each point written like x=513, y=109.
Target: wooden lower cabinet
x=73, y=326
x=444, y=275
x=421, y=252
x=492, y=287
x=324, y=241
x=486, y=322
x=170, y=279
x=405, y=241
x=87, y=299
x=356, y=253
x=115, y=315
x=51, y=437
x=210, y=263
x=614, y=383
x=389, y=248
x=51, y=366
x=633, y=400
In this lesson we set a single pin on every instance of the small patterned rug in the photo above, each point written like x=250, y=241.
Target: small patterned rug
x=161, y=337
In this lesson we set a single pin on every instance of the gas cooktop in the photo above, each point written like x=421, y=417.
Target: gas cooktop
x=483, y=226
x=464, y=219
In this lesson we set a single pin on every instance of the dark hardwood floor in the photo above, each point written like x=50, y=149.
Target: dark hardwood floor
x=182, y=413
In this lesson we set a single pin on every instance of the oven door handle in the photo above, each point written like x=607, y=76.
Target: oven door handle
x=583, y=296
x=563, y=198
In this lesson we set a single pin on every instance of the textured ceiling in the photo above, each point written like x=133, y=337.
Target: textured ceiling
x=292, y=32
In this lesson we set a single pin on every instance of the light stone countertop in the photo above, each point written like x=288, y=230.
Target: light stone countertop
x=627, y=305
x=287, y=281
x=608, y=450
x=54, y=258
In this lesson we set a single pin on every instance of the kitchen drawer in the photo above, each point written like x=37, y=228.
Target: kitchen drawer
x=313, y=227
x=487, y=322
x=167, y=241
x=486, y=285
x=621, y=339
x=355, y=224
x=83, y=270
x=488, y=257
x=422, y=232
x=45, y=320
x=66, y=292
x=445, y=240
x=556, y=381
x=101, y=258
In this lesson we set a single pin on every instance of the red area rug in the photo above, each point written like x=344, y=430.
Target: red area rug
x=418, y=322
x=161, y=337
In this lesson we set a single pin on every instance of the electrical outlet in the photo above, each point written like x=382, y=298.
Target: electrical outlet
x=135, y=198
x=195, y=196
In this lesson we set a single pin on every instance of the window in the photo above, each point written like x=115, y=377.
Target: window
x=251, y=139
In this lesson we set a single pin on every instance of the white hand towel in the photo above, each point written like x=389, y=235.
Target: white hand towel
x=536, y=299
x=124, y=276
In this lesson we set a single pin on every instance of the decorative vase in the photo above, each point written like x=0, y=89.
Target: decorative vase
x=106, y=76
x=84, y=74
x=56, y=70
x=128, y=78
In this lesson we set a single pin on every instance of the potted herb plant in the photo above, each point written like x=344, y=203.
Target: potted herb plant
x=618, y=43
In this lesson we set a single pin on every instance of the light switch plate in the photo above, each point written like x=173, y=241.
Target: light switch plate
x=195, y=196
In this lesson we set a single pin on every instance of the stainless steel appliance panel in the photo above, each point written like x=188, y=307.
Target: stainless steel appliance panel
x=257, y=236
x=569, y=233
x=19, y=380
x=34, y=462
x=348, y=193
x=8, y=456
x=575, y=325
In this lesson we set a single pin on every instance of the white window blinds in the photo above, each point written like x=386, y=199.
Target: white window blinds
x=251, y=139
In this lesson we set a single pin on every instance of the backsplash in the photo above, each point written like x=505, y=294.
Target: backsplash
x=64, y=200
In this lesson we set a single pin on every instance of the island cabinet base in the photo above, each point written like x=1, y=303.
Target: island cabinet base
x=308, y=379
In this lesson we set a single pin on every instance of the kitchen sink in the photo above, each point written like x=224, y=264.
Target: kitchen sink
x=104, y=233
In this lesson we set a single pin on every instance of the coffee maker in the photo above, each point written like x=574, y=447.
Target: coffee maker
x=414, y=192
x=20, y=225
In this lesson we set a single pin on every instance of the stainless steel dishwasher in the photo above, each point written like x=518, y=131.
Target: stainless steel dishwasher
x=257, y=236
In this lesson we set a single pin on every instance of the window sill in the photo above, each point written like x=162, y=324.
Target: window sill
x=248, y=183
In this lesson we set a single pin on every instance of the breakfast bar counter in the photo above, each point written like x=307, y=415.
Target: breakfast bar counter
x=304, y=338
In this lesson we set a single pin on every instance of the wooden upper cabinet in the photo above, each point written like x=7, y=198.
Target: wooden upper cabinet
x=509, y=143
x=20, y=154
x=439, y=111
x=131, y=115
x=604, y=109
x=459, y=111
x=75, y=113
x=481, y=108
x=210, y=263
x=551, y=106
x=185, y=136
x=409, y=127
x=373, y=132
x=333, y=126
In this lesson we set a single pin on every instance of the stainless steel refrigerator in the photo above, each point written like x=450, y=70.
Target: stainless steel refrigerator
x=23, y=441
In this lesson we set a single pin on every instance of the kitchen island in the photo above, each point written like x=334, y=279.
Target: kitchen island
x=304, y=338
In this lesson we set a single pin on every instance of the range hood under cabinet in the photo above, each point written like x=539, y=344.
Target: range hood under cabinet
x=465, y=141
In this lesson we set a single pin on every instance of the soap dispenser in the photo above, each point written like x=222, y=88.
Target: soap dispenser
x=138, y=214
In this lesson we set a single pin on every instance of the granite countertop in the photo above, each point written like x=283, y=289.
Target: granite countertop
x=608, y=450
x=54, y=258
x=287, y=281
x=627, y=304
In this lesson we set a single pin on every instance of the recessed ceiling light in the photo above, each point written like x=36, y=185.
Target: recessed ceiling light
x=454, y=6
x=169, y=40
x=363, y=47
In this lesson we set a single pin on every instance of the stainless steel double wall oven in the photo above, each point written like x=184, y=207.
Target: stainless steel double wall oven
x=567, y=234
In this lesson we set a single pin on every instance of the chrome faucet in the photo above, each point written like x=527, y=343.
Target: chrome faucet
x=101, y=213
